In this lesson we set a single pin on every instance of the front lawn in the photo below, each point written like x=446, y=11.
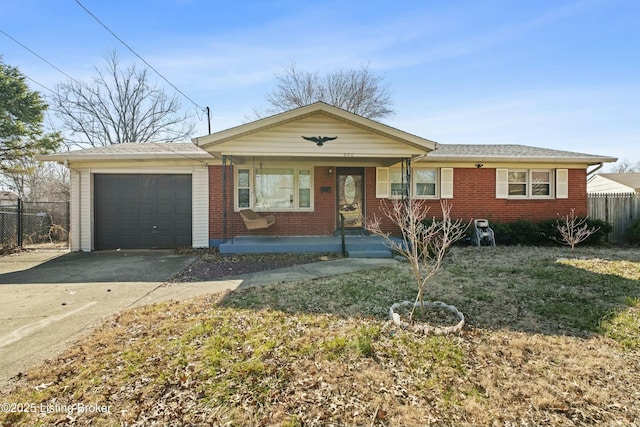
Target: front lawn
x=552, y=338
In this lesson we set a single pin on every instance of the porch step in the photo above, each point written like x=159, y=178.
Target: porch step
x=356, y=246
x=352, y=232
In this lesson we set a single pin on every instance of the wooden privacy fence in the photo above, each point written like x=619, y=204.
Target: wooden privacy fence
x=618, y=209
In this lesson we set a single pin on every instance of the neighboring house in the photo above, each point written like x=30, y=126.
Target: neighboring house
x=306, y=167
x=614, y=183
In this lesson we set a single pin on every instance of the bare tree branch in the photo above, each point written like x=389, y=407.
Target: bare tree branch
x=573, y=230
x=358, y=91
x=423, y=244
x=119, y=105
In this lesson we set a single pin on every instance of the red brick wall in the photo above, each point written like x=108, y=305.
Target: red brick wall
x=320, y=222
x=474, y=197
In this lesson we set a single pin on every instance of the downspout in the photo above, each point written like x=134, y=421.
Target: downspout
x=595, y=170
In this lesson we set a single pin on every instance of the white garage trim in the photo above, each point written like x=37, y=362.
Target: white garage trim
x=82, y=215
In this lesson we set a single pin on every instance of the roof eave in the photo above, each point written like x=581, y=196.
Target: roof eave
x=523, y=159
x=61, y=157
x=308, y=110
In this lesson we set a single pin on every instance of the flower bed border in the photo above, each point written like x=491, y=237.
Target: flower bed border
x=425, y=328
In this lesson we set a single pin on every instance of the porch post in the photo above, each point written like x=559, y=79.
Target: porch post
x=406, y=177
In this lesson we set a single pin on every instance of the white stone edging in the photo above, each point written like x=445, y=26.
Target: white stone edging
x=425, y=328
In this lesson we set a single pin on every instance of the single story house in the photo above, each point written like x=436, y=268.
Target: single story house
x=614, y=183
x=308, y=168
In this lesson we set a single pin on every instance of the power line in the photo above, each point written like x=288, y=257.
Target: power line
x=43, y=59
x=136, y=54
x=39, y=84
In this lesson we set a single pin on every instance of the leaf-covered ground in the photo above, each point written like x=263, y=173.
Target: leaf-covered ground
x=552, y=338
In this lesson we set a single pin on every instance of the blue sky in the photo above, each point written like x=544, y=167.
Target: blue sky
x=555, y=74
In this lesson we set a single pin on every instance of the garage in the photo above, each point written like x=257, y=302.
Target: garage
x=142, y=211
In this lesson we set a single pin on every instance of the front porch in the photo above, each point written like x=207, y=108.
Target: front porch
x=355, y=246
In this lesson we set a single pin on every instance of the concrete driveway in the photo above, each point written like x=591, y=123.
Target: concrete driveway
x=48, y=299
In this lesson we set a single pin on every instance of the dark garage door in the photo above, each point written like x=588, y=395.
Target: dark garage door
x=142, y=211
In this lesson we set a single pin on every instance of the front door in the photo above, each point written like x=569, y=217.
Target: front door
x=350, y=203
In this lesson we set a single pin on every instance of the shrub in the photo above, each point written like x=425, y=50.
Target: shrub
x=543, y=233
x=632, y=234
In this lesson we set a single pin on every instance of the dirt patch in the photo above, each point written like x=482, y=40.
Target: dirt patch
x=211, y=265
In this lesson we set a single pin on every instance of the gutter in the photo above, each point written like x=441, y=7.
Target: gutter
x=595, y=170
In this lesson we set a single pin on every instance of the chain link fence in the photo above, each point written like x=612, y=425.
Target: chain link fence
x=34, y=223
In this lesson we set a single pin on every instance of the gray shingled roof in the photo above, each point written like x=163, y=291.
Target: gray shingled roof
x=510, y=152
x=134, y=150
x=443, y=152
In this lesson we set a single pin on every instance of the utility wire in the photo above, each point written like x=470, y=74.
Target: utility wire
x=43, y=59
x=39, y=84
x=136, y=54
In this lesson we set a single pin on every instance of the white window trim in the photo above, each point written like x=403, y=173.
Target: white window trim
x=391, y=195
x=444, y=183
x=414, y=184
x=551, y=174
x=252, y=195
x=555, y=183
x=236, y=188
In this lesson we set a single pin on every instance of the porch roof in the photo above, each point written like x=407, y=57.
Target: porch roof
x=286, y=135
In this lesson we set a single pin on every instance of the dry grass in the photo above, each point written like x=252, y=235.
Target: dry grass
x=553, y=338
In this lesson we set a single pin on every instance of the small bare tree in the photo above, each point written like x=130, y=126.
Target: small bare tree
x=358, y=91
x=573, y=230
x=120, y=105
x=423, y=244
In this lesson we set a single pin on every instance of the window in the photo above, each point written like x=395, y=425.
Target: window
x=304, y=188
x=244, y=190
x=529, y=183
x=540, y=183
x=517, y=183
x=399, y=184
x=424, y=182
x=277, y=188
x=274, y=188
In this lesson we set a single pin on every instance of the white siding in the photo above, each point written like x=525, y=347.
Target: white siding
x=601, y=184
x=74, y=212
x=86, y=210
x=286, y=139
x=200, y=207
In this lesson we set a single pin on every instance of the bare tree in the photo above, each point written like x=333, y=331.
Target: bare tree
x=423, y=244
x=358, y=91
x=625, y=166
x=36, y=181
x=119, y=105
x=573, y=230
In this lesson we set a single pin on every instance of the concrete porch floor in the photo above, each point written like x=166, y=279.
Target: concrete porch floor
x=356, y=246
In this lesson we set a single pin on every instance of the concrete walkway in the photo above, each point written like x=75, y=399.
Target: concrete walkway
x=182, y=291
x=49, y=300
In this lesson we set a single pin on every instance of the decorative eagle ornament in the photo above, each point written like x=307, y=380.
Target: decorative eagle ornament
x=319, y=140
